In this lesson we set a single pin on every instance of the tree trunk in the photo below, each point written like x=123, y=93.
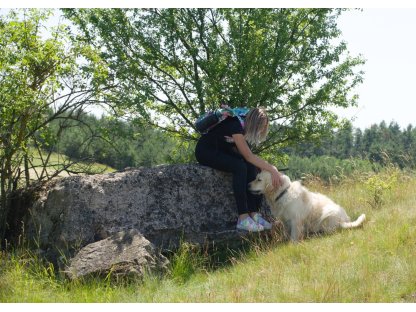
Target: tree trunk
x=3, y=205
x=27, y=177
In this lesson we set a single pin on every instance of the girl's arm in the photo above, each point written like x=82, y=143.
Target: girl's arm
x=245, y=151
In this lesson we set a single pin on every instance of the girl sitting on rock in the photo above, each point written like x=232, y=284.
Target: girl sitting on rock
x=226, y=147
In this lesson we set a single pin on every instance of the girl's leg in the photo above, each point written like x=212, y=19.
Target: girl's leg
x=209, y=156
x=253, y=200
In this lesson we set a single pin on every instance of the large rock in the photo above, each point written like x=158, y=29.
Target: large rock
x=165, y=204
x=125, y=253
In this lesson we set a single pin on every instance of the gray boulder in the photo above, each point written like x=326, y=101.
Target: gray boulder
x=125, y=253
x=166, y=204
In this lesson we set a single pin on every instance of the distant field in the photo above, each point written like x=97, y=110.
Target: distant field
x=58, y=161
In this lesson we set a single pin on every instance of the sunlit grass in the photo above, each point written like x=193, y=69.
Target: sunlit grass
x=375, y=263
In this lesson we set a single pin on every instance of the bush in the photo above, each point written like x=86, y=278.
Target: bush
x=328, y=168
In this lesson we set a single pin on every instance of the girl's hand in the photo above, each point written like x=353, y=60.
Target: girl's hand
x=275, y=178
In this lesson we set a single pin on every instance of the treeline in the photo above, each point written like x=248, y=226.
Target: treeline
x=120, y=144
x=350, y=150
x=380, y=144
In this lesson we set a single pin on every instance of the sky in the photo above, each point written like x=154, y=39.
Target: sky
x=387, y=40
x=384, y=33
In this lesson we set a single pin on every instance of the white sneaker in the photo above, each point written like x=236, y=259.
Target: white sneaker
x=248, y=224
x=259, y=220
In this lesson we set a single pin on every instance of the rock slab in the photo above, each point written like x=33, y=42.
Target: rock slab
x=166, y=204
x=126, y=253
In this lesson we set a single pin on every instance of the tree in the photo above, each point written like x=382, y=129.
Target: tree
x=358, y=144
x=41, y=80
x=343, y=142
x=172, y=65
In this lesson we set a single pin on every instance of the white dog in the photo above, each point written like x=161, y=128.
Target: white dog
x=301, y=210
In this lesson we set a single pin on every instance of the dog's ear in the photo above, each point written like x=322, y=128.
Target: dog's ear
x=269, y=188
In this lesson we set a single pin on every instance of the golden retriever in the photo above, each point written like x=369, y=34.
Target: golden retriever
x=301, y=210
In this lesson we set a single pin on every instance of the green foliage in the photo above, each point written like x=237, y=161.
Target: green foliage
x=172, y=65
x=117, y=143
x=182, y=152
x=41, y=80
x=378, y=184
x=273, y=156
x=328, y=168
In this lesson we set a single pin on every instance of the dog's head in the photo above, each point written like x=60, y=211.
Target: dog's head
x=263, y=184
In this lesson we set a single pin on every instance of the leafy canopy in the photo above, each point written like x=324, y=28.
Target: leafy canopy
x=172, y=65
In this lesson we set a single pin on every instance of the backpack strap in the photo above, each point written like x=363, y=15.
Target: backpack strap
x=241, y=113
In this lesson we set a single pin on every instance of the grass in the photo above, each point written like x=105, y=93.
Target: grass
x=371, y=264
x=58, y=161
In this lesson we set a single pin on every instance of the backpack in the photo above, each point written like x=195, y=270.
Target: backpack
x=210, y=119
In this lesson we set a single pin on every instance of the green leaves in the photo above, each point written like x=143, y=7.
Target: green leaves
x=179, y=63
x=43, y=76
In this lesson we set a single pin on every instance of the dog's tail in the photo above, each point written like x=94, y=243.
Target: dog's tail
x=356, y=223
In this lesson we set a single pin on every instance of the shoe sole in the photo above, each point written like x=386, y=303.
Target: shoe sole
x=253, y=231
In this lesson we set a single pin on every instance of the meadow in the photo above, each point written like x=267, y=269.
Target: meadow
x=57, y=162
x=375, y=263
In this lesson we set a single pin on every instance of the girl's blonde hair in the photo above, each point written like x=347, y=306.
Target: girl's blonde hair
x=256, y=126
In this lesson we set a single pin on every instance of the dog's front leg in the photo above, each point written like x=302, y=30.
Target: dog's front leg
x=295, y=230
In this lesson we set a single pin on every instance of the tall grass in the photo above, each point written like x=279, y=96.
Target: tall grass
x=375, y=263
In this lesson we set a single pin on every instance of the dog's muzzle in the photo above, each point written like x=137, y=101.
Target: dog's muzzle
x=255, y=192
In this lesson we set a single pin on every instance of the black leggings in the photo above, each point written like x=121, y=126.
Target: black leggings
x=243, y=173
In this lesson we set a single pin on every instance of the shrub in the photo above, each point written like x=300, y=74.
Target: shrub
x=328, y=168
